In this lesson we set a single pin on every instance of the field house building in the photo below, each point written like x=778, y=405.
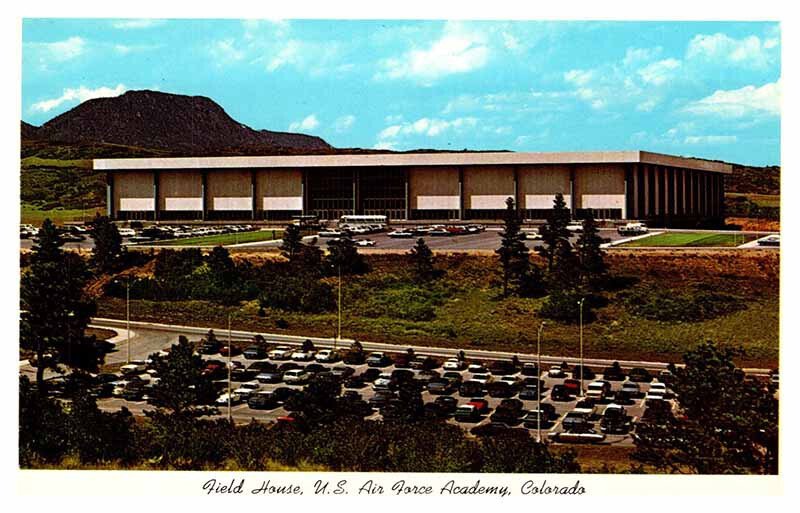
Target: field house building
x=660, y=189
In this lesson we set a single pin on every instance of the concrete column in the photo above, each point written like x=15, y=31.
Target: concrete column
x=516, y=189
x=674, y=173
x=461, y=193
x=684, y=194
x=628, y=182
x=304, y=190
x=155, y=195
x=355, y=191
x=636, y=187
x=646, y=186
x=204, y=200
x=253, y=199
x=572, y=202
x=657, y=210
x=110, y=195
x=407, y=196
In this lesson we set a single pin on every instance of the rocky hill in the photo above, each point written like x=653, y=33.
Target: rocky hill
x=171, y=123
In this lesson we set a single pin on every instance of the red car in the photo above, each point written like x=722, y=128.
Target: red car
x=223, y=351
x=214, y=369
x=572, y=385
x=480, y=404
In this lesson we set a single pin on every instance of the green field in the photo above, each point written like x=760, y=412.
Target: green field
x=762, y=200
x=32, y=215
x=693, y=240
x=225, y=239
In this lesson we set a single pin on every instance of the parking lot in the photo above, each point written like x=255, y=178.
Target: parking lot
x=634, y=407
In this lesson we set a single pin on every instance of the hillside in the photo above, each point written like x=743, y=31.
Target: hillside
x=177, y=124
x=754, y=180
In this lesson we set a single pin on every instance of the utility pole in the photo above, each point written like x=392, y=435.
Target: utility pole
x=539, y=384
x=580, y=303
x=128, y=315
x=230, y=413
x=339, y=328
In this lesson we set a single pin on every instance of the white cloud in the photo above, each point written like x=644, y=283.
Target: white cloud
x=747, y=101
x=81, y=94
x=710, y=139
x=578, y=77
x=430, y=127
x=749, y=51
x=385, y=145
x=137, y=24
x=58, y=51
x=127, y=49
x=658, y=72
x=647, y=105
x=308, y=123
x=458, y=50
x=635, y=56
x=344, y=123
x=224, y=51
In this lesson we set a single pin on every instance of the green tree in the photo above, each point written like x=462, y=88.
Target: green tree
x=515, y=451
x=513, y=252
x=182, y=386
x=319, y=400
x=421, y=258
x=729, y=422
x=565, y=271
x=292, y=242
x=344, y=256
x=55, y=307
x=43, y=433
x=590, y=255
x=554, y=230
x=108, y=250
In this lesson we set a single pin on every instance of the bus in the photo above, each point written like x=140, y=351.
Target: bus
x=362, y=221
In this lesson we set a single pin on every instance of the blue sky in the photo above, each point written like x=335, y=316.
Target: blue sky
x=703, y=89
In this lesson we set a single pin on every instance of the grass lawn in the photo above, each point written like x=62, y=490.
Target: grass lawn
x=225, y=239
x=32, y=215
x=691, y=240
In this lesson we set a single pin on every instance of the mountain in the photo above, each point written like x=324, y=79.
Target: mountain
x=754, y=180
x=171, y=123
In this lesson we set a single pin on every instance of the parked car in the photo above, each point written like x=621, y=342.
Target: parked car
x=384, y=382
x=342, y=371
x=270, y=376
x=254, y=352
x=573, y=385
x=282, y=394
x=381, y=399
x=327, y=356
x=262, y=401
x=632, y=229
x=467, y=413
x=365, y=243
x=500, y=389
x=471, y=388
x=588, y=373
x=315, y=368
x=378, y=359
x=576, y=421
x=453, y=377
x=401, y=234
x=556, y=371
x=532, y=419
x=614, y=373
x=598, y=390
x=631, y=387
x=447, y=403
x=288, y=366
x=587, y=406
x=529, y=393
x=575, y=227
x=209, y=347
x=302, y=356
x=439, y=386
x=280, y=353
x=481, y=404
x=135, y=367
x=296, y=376
x=234, y=398
x=477, y=368
x=423, y=363
x=454, y=364
x=502, y=368
x=245, y=390
x=529, y=369
x=615, y=420
x=560, y=393
x=640, y=375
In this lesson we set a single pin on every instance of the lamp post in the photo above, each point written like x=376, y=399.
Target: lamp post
x=580, y=304
x=339, y=320
x=230, y=413
x=539, y=384
x=128, y=316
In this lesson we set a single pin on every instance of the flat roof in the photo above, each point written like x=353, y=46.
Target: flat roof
x=414, y=159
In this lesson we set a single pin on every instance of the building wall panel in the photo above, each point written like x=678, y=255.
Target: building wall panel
x=180, y=190
x=539, y=185
x=429, y=183
x=233, y=183
x=132, y=185
x=593, y=181
x=488, y=187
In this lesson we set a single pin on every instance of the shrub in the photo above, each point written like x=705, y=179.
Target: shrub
x=668, y=305
x=562, y=305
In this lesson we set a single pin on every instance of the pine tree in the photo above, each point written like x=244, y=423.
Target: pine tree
x=554, y=230
x=422, y=261
x=182, y=385
x=55, y=307
x=344, y=256
x=292, y=242
x=513, y=252
x=107, y=252
x=590, y=254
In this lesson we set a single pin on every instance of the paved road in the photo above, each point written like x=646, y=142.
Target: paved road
x=321, y=342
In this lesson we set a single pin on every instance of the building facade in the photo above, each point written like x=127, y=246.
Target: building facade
x=661, y=189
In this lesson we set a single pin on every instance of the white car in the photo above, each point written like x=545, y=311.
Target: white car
x=556, y=371
x=365, y=243
x=453, y=364
x=483, y=379
x=383, y=382
x=327, y=355
x=575, y=227
x=245, y=390
x=302, y=356
x=654, y=395
x=280, y=353
x=223, y=399
x=658, y=388
x=119, y=387
x=598, y=389
x=136, y=366
x=633, y=229
x=127, y=232
x=476, y=368
x=331, y=233
x=296, y=376
x=401, y=234
x=631, y=387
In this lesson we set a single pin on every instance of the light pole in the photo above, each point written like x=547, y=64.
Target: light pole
x=539, y=384
x=230, y=413
x=580, y=304
x=339, y=321
x=128, y=316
